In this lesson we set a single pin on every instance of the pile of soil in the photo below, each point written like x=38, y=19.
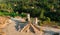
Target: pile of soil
x=3, y=21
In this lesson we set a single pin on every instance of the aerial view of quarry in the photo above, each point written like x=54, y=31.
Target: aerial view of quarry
x=29, y=17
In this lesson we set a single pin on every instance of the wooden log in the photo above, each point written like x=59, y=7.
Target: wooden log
x=37, y=31
x=28, y=16
x=25, y=27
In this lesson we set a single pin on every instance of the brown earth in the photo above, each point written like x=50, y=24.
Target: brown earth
x=3, y=21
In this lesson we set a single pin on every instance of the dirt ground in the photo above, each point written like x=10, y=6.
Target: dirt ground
x=11, y=30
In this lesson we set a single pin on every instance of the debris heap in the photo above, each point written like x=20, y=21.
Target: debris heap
x=32, y=29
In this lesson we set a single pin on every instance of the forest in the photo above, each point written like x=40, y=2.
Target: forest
x=47, y=11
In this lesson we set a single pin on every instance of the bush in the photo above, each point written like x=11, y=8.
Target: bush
x=23, y=15
x=8, y=14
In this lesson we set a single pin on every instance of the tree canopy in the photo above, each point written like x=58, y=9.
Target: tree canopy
x=37, y=8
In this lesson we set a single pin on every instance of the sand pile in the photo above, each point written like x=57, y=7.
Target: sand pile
x=1, y=32
x=3, y=21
